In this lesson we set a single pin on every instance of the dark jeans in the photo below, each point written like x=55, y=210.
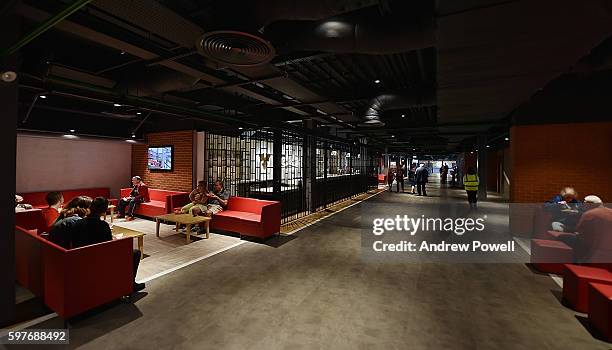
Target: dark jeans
x=136, y=260
x=472, y=196
x=400, y=183
x=421, y=188
x=130, y=204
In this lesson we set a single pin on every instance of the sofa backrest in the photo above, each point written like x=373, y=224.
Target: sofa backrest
x=37, y=199
x=249, y=205
x=160, y=195
x=31, y=219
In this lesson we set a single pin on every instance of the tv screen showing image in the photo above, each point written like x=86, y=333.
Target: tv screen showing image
x=160, y=158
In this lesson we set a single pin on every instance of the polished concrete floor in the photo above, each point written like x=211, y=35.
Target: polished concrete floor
x=314, y=290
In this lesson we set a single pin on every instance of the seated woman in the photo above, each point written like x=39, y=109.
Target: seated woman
x=198, y=200
x=565, y=209
x=62, y=230
x=217, y=201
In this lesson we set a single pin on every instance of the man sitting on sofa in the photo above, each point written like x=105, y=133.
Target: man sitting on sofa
x=92, y=230
x=55, y=200
x=565, y=209
x=217, y=200
x=139, y=194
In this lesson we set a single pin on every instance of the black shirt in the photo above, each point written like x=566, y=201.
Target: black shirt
x=90, y=230
x=62, y=231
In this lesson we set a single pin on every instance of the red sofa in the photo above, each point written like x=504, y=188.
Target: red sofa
x=550, y=256
x=600, y=309
x=576, y=279
x=37, y=199
x=161, y=201
x=249, y=217
x=76, y=280
x=31, y=219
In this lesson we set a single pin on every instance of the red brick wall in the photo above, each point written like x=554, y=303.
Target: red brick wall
x=181, y=178
x=546, y=158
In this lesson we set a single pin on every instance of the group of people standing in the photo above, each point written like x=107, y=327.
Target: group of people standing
x=417, y=176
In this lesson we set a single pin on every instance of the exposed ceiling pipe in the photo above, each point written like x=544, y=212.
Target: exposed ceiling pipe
x=399, y=100
x=353, y=35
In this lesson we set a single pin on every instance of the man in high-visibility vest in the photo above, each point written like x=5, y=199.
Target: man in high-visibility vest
x=470, y=183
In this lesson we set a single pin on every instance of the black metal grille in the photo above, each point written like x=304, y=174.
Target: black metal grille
x=311, y=173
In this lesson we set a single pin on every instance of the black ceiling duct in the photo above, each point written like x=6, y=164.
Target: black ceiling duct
x=396, y=100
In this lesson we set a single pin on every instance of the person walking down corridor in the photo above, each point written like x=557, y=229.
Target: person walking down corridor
x=422, y=175
x=399, y=178
x=412, y=178
x=470, y=183
x=443, y=173
x=390, y=178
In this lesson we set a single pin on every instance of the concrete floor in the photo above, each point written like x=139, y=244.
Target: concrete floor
x=314, y=291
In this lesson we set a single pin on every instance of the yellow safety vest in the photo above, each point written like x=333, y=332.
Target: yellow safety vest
x=470, y=182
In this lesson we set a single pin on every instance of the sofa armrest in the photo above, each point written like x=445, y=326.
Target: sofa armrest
x=125, y=192
x=79, y=279
x=271, y=218
x=175, y=201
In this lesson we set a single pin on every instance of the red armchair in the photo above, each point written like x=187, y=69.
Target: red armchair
x=37, y=199
x=28, y=260
x=161, y=201
x=80, y=279
x=31, y=219
x=249, y=217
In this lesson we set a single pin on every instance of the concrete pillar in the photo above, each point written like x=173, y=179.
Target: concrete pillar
x=9, y=29
x=482, y=167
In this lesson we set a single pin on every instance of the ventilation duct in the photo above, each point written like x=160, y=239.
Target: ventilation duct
x=234, y=48
x=345, y=35
x=393, y=101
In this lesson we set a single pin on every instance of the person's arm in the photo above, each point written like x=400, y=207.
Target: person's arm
x=192, y=196
x=107, y=234
x=223, y=201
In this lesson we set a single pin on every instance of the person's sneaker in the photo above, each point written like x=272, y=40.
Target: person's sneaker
x=138, y=287
x=129, y=218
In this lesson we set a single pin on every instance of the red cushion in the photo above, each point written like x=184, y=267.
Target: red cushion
x=600, y=309
x=250, y=205
x=239, y=215
x=575, y=284
x=549, y=256
x=37, y=199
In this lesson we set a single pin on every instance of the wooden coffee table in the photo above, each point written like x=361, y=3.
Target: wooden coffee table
x=111, y=208
x=183, y=219
x=127, y=233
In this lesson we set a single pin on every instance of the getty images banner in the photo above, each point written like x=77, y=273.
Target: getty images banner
x=454, y=233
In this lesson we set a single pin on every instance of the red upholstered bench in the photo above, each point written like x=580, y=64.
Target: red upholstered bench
x=542, y=222
x=75, y=280
x=31, y=219
x=600, y=309
x=37, y=199
x=576, y=279
x=249, y=217
x=549, y=256
x=161, y=201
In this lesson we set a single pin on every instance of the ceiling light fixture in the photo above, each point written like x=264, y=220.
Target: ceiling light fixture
x=139, y=113
x=116, y=105
x=72, y=130
x=43, y=96
x=403, y=116
x=507, y=139
x=123, y=52
x=377, y=81
x=240, y=128
x=133, y=136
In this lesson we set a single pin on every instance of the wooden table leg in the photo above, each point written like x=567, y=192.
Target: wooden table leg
x=176, y=228
x=157, y=227
x=207, y=229
x=141, y=246
x=188, y=233
x=112, y=213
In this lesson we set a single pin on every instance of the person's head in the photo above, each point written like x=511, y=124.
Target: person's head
x=471, y=170
x=592, y=201
x=54, y=199
x=77, y=206
x=201, y=186
x=136, y=180
x=18, y=199
x=568, y=194
x=422, y=164
x=218, y=186
x=98, y=207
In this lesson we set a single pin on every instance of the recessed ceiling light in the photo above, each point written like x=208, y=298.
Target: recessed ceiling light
x=377, y=81
x=488, y=146
x=123, y=52
x=414, y=149
x=139, y=113
x=472, y=152
x=72, y=130
x=116, y=105
x=403, y=116
x=507, y=139
x=240, y=128
x=392, y=135
x=43, y=96
x=133, y=135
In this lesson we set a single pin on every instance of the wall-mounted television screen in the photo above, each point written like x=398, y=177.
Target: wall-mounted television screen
x=160, y=158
